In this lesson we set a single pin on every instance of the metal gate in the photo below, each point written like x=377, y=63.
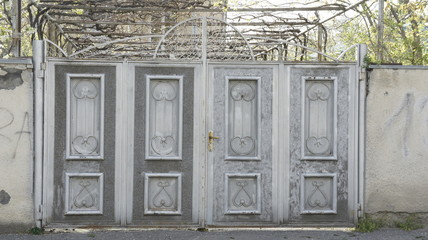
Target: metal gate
x=199, y=142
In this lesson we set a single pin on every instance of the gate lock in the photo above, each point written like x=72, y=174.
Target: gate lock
x=211, y=138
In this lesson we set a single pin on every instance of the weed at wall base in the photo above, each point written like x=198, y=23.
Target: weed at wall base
x=409, y=224
x=368, y=225
x=35, y=231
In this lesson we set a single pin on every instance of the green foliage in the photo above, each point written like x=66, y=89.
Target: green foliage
x=367, y=224
x=409, y=224
x=27, y=30
x=368, y=60
x=405, y=37
x=91, y=235
x=36, y=231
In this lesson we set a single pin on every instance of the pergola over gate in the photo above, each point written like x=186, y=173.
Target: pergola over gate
x=198, y=39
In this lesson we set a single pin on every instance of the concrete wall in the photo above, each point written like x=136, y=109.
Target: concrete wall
x=396, y=174
x=16, y=154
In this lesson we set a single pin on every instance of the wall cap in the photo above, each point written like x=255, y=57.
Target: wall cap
x=16, y=61
x=398, y=67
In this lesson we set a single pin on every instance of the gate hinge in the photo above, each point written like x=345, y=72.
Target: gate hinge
x=40, y=71
x=362, y=76
x=39, y=213
x=359, y=210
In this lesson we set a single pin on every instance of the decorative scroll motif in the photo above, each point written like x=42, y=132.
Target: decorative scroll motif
x=85, y=111
x=317, y=198
x=85, y=89
x=317, y=145
x=163, y=199
x=242, y=198
x=318, y=193
x=243, y=120
x=163, y=145
x=242, y=146
x=242, y=91
x=85, y=145
x=162, y=193
x=164, y=116
x=164, y=91
x=84, y=199
x=84, y=193
x=242, y=193
x=318, y=91
x=319, y=118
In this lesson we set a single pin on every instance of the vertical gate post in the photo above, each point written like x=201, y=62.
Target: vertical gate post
x=380, y=29
x=362, y=81
x=204, y=179
x=38, y=53
x=319, y=44
x=16, y=28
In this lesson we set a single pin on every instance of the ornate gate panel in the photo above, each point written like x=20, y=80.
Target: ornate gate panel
x=163, y=130
x=321, y=163
x=240, y=163
x=81, y=132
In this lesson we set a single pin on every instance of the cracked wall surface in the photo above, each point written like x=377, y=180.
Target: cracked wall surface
x=397, y=141
x=16, y=153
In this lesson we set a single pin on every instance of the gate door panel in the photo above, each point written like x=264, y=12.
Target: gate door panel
x=84, y=155
x=142, y=144
x=163, y=140
x=241, y=166
x=320, y=188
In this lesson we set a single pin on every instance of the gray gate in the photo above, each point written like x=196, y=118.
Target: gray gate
x=199, y=142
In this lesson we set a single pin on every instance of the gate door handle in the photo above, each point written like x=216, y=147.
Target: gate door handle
x=211, y=138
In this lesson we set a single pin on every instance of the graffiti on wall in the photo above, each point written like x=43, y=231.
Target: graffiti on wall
x=411, y=110
x=13, y=130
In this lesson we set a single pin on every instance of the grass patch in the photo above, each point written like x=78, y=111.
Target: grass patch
x=202, y=229
x=91, y=235
x=409, y=224
x=367, y=224
x=36, y=231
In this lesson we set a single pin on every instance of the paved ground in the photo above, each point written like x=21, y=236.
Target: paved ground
x=217, y=234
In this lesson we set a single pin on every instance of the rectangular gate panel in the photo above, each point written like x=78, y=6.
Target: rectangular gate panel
x=241, y=167
x=89, y=184
x=319, y=108
x=162, y=194
x=319, y=160
x=163, y=145
x=243, y=118
x=164, y=117
x=84, y=154
x=85, y=116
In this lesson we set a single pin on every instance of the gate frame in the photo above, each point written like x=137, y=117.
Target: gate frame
x=203, y=122
x=44, y=101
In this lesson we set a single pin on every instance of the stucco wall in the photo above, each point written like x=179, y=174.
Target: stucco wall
x=16, y=157
x=396, y=173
